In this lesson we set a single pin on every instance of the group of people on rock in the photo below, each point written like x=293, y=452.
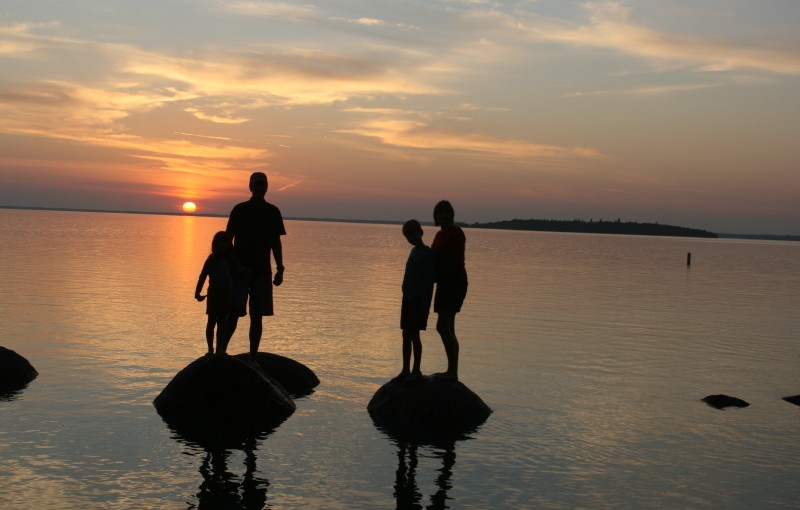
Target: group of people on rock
x=239, y=269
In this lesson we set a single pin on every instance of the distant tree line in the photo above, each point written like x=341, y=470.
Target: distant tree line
x=596, y=227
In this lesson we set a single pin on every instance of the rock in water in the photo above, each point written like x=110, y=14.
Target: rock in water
x=223, y=391
x=296, y=378
x=723, y=401
x=427, y=406
x=15, y=370
x=793, y=400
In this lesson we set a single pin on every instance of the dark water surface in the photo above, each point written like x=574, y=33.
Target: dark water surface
x=592, y=350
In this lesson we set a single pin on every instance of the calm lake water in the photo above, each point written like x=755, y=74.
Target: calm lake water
x=593, y=351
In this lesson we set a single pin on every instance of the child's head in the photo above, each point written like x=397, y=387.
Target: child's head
x=413, y=231
x=220, y=242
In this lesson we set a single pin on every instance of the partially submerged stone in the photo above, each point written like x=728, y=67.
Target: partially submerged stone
x=15, y=370
x=296, y=378
x=223, y=393
x=722, y=401
x=794, y=400
x=427, y=406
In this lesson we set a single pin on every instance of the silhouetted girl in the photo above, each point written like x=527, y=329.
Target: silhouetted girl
x=219, y=267
x=451, y=282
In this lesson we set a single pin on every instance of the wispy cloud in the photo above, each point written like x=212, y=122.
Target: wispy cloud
x=610, y=27
x=18, y=41
x=648, y=91
x=283, y=10
x=216, y=118
x=417, y=134
x=224, y=138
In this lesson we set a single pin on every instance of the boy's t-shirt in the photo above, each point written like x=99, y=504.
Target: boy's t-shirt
x=420, y=275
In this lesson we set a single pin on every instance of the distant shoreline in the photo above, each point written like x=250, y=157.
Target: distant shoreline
x=598, y=227
x=566, y=226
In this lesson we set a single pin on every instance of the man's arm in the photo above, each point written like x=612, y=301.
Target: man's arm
x=230, y=228
x=277, y=252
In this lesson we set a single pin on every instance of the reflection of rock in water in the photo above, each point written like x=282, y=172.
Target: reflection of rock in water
x=15, y=373
x=296, y=378
x=221, y=399
x=427, y=407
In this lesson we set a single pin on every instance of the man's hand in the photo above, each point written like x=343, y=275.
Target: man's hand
x=199, y=297
x=278, y=277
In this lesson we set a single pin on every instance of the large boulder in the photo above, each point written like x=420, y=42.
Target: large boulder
x=427, y=406
x=722, y=401
x=223, y=394
x=296, y=378
x=15, y=370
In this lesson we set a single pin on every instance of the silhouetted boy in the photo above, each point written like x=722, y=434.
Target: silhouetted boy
x=417, y=295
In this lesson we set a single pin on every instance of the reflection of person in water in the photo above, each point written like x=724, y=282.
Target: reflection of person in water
x=417, y=294
x=219, y=268
x=406, y=491
x=256, y=227
x=220, y=489
x=451, y=282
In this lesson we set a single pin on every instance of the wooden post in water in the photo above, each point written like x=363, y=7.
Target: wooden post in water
x=689, y=259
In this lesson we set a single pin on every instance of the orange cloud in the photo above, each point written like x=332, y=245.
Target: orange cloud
x=418, y=134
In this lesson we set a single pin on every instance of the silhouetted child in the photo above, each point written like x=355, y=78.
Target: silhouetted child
x=220, y=268
x=417, y=294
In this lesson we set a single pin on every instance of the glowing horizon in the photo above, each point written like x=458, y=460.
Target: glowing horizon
x=673, y=112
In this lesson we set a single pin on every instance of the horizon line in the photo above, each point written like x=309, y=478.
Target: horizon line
x=790, y=237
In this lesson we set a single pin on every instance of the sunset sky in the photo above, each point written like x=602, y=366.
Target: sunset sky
x=671, y=111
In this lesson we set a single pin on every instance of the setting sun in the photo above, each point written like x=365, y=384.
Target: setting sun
x=189, y=207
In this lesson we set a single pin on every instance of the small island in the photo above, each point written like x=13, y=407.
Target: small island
x=596, y=227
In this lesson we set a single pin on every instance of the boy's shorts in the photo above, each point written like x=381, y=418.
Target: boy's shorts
x=256, y=287
x=413, y=315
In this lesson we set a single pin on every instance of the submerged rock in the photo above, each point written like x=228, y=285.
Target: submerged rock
x=723, y=401
x=794, y=400
x=15, y=370
x=296, y=378
x=223, y=392
x=427, y=406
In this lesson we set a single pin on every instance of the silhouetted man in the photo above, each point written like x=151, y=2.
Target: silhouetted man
x=256, y=227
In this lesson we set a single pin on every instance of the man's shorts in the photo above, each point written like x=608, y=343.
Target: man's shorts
x=256, y=287
x=449, y=298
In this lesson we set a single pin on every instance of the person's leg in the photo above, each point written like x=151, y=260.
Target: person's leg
x=230, y=326
x=222, y=331
x=416, y=345
x=210, y=333
x=406, y=355
x=240, y=291
x=445, y=325
x=256, y=327
x=260, y=307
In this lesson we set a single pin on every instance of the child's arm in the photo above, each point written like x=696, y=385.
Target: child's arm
x=200, y=282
